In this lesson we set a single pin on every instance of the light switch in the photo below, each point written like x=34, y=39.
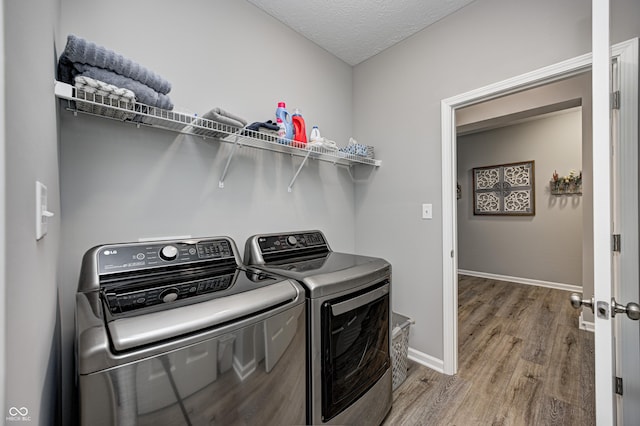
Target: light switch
x=42, y=214
x=427, y=211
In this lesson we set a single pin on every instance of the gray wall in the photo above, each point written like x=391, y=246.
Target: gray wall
x=547, y=246
x=120, y=183
x=397, y=97
x=577, y=87
x=229, y=54
x=31, y=327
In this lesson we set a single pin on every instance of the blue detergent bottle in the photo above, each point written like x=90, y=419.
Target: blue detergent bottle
x=283, y=114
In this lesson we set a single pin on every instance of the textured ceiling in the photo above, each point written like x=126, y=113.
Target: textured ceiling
x=355, y=30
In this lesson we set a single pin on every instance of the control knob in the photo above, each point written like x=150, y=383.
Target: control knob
x=169, y=252
x=292, y=240
x=169, y=295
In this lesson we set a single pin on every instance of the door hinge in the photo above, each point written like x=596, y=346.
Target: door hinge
x=619, y=385
x=616, y=243
x=615, y=100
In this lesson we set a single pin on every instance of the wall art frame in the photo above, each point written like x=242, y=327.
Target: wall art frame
x=504, y=190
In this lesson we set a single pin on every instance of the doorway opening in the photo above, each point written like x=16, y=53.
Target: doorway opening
x=496, y=240
x=627, y=52
x=515, y=271
x=530, y=80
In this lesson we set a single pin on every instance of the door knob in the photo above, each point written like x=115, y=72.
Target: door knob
x=577, y=301
x=631, y=309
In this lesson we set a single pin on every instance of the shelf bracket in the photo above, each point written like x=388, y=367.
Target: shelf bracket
x=236, y=144
x=306, y=157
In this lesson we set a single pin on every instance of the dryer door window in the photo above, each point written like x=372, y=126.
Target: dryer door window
x=355, y=348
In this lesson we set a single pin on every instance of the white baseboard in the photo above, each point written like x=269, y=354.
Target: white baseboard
x=586, y=325
x=528, y=281
x=426, y=360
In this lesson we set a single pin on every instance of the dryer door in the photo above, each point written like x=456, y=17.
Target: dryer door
x=355, y=347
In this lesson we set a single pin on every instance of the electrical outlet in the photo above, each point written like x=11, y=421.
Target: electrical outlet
x=427, y=211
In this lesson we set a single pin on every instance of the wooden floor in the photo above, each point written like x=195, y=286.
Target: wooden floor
x=521, y=361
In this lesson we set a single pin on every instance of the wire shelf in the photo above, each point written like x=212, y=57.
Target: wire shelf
x=140, y=114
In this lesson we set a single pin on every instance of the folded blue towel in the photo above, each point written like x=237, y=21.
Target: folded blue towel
x=144, y=93
x=79, y=50
x=65, y=70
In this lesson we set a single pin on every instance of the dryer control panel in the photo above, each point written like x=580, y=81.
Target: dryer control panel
x=287, y=242
x=267, y=248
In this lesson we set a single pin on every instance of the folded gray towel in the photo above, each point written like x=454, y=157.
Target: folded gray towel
x=225, y=123
x=224, y=117
x=85, y=52
x=144, y=93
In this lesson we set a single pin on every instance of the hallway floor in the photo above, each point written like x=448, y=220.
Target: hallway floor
x=522, y=361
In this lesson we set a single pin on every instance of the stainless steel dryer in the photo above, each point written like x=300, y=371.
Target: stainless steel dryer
x=348, y=310
x=178, y=332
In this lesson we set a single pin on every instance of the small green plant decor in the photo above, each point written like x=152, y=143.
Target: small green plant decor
x=570, y=184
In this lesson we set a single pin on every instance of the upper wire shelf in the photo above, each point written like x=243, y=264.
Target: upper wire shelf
x=144, y=115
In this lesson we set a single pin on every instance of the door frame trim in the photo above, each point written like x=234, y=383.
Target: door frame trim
x=3, y=275
x=627, y=49
x=529, y=80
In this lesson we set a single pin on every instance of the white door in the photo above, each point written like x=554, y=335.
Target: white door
x=626, y=275
x=603, y=215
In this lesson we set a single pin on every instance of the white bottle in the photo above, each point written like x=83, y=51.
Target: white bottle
x=282, y=131
x=315, y=134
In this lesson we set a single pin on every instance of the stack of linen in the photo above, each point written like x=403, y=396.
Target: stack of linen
x=98, y=91
x=86, y=59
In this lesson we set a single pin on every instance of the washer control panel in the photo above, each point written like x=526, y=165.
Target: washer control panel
x=131, y=257
x=291, y=242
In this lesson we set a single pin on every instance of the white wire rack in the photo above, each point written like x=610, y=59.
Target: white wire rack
x=144, y=115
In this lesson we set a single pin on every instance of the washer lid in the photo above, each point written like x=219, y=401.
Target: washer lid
x=135, y=331
x=332, y=272
x=139, y=295
x=306, y=257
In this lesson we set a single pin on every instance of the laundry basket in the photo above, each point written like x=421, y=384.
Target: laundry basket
x=399, y=347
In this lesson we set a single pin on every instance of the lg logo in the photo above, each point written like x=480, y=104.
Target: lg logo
x=18, y=415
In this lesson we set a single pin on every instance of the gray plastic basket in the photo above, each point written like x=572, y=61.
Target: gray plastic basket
x=400, y=325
